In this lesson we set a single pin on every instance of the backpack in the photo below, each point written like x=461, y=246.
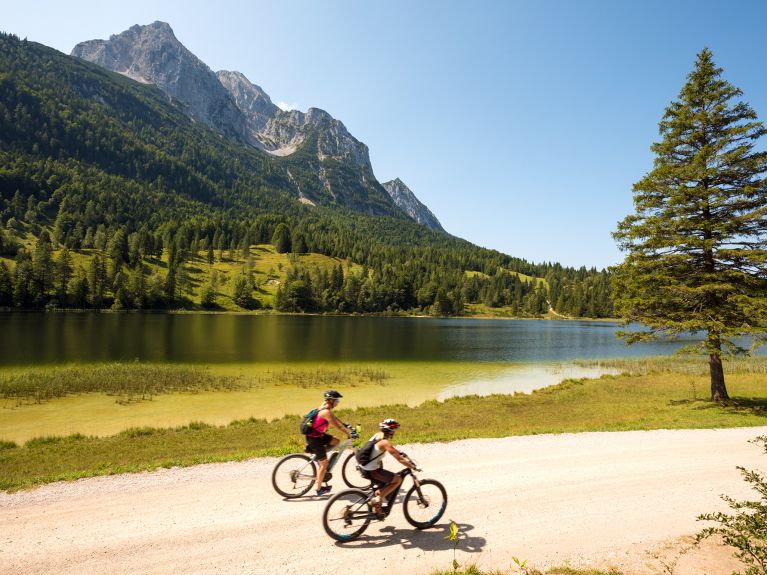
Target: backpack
x=364, y=455
x=307, y=423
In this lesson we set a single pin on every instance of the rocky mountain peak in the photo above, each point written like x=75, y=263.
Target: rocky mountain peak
x=405, y=199
x=152, y=54
x=237, y=108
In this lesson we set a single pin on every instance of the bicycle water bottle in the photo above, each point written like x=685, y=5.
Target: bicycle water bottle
x=333, y=457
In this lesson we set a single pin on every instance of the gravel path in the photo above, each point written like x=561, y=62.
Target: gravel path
x=603, y=499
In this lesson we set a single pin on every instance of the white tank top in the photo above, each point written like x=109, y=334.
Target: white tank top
x=376, y=455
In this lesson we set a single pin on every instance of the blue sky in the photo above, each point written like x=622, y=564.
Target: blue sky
x=521, y=124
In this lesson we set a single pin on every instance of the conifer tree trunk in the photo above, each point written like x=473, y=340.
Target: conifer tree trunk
x=718, y=388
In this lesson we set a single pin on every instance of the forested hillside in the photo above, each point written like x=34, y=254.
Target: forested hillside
x=111, y=197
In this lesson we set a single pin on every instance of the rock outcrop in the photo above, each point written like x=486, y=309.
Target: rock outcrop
x=405, y=200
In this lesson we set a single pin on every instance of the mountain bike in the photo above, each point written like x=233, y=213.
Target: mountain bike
x=349, y=512
x=296, y=473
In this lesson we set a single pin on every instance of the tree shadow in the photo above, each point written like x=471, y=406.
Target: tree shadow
x=432, y=539
x=736, y=405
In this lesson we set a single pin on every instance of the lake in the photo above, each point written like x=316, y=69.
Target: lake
x=423, y=359
x=57, y=338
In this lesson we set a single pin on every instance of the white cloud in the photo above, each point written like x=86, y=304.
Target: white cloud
x=287, y=107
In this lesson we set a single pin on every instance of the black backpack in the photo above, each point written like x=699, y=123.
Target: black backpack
x=364, y=455
x=307, y=423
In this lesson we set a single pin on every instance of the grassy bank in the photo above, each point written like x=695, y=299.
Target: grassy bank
x=653, y=400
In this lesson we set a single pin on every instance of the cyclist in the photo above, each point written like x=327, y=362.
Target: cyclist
x=318, y=441
x=387, y=481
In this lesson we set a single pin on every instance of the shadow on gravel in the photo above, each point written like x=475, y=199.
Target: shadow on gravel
x=433, y=539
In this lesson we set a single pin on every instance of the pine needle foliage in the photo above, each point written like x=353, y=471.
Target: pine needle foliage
x=697, y=243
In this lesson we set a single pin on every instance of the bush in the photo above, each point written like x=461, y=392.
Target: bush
x=746, y=528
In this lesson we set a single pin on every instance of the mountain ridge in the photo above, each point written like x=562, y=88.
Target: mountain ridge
x=407, y=201
x=238, y=109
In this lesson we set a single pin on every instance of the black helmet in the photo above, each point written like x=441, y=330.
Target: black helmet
x=388, y=426
x=332, y=394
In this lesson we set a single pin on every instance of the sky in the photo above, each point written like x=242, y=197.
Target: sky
x=522, y=125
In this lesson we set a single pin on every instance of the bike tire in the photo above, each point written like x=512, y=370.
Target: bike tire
x=347, y=515
x=425, y=504
x=350, y=471
x=289, y=480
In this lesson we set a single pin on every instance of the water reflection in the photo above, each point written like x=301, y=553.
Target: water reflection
x=525, y=379
x=40, y=338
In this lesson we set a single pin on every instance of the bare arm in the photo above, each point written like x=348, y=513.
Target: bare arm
x=386, y=445
x=337, y=422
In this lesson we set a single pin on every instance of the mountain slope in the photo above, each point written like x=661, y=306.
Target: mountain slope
x=142, y=196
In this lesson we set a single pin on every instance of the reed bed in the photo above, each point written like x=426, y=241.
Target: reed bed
x=321, y=377
x=131, y=382
x=682, y=364
x=128, y=382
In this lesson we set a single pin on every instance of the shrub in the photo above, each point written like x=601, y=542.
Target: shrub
x=746, y=528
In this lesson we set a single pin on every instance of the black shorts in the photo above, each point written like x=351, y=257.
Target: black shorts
x=380, y=476
x=319, y=445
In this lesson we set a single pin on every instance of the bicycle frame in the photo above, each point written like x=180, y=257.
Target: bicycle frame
x=392, y=497
x=334, y=458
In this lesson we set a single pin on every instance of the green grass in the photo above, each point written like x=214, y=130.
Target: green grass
x=666, y=400
x=474, y=570
x=269, y=271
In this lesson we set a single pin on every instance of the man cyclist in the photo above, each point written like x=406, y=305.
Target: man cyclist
x=319, y=441
x=387, y=481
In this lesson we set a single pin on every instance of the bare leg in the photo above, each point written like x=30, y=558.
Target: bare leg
x=385, y=491
x=322, y=467
x=323, y=464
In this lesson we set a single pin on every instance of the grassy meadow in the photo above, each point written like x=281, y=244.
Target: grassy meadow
x=269, y=271
x=652, y=394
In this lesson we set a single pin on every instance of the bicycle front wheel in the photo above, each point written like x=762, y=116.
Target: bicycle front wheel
x=351, y=473
x=425, y=503
x=294, y=475
x=347, y=515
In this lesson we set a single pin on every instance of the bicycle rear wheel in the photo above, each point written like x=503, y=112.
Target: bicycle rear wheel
x=294, y=475
x=347, y=515
x=424, y=504
x=351, y=473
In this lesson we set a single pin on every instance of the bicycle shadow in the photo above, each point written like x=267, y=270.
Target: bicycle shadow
x=432, y=539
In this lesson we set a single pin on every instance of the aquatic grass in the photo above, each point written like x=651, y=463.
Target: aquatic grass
x=682, y=364
x=134, y=381
x=126, y=381
x=323, y=377
x=612, y=403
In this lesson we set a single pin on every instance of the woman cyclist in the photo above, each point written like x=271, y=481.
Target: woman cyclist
x=373, y=469
x=318, y=441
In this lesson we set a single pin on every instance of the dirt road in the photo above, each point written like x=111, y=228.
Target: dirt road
x=601, y=499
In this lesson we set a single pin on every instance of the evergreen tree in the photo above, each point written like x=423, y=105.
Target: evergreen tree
x=63, y=274
x=697, y=244
x=97, y=279
x=78, y=288
x=43, y=268
x=281, y=239
x=23, y=278
x=6, y=286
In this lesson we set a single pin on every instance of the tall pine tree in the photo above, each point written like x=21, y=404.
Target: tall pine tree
x=697, y=245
